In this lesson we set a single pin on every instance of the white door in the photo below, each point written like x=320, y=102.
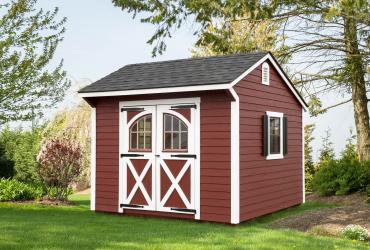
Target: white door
x=176, y=158
x=158, y=158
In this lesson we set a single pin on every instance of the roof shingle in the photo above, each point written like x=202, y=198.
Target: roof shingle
x=176, y=73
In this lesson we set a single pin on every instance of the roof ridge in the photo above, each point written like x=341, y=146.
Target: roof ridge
x=201, y=58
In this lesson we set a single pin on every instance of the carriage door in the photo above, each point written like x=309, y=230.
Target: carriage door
x=175, y=158
x=138, y=157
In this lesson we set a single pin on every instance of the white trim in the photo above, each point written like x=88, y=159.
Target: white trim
x=156, y=90
x=303, y=170
x=202, y=87
x=280, y=155
x=265, y=67
x=194, y=146
x=93, y=158
x=235, y=160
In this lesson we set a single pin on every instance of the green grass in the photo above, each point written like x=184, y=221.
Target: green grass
x=26, y=226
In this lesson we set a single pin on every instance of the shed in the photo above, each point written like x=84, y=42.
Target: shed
x=213, y=139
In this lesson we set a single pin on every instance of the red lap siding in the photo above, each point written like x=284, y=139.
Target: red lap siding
x=268, y=185
x=214, y=155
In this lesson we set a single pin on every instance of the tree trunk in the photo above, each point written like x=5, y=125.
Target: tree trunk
x=356, y=77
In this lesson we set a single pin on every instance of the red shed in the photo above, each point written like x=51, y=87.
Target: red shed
x=214, y=139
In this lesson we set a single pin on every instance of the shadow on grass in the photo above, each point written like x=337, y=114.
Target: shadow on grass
x=34, y=227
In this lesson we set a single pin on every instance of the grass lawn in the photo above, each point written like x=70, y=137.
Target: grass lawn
x=26, y=226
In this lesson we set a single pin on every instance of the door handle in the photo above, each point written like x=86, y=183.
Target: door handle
x=185, y=156
x=131, y=155
x=157, y=155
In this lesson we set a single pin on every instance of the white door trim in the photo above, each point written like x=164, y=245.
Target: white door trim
x=195, y=116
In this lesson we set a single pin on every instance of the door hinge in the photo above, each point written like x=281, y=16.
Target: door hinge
x=185, y=156
x=190, y=106
x=131, y=155
x=130, y=205
x=193, y=211
x=132, y=109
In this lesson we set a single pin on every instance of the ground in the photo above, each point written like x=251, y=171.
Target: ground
x=37, y=226
x=349, y=209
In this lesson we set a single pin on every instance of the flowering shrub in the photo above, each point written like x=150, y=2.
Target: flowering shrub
x=61, y=162
x=355, y=232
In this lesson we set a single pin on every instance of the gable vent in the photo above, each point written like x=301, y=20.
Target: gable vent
x=265, y=73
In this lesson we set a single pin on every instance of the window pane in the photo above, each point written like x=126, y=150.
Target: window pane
x=167, y=141
x=133, y=140
x=148, y=123
x=134, y=128
x=176, y=140
x=176, y=124
x=141, y=125
x=184, y=140
x=148, y=140
x=141, y=141
x=274, y=135
x=167, y=123
x=183, y=127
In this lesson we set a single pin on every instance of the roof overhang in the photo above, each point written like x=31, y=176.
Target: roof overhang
x=226, y=86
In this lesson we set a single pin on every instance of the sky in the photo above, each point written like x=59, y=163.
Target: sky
x=101, y=38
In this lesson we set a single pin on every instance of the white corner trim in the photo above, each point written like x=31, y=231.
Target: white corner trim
x=303, y=170
x=93, y=159
x=156, y=90
x=235, y=162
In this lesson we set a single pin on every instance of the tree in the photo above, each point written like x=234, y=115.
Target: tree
x=60, y=165
x=327, y=151
x=240, y=37
x=74, y=124
x=28, y=40
x=309, y=165
x=328, y=41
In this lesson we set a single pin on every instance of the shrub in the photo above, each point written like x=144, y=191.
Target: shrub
x=61, y=162
x=342, y=177
x=21, y=147
x=355, y=232
x=6, y=165
x=13, y=190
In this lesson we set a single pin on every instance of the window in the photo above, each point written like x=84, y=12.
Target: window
x=175, y=135
x=265, y=73
x=275, y=136
x=141, y=134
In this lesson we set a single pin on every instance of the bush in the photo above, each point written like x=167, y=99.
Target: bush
x=61, y=162
x=355, y=232
x=13, y=190
x=6, y=165
x=342, y=177
x=21, y=147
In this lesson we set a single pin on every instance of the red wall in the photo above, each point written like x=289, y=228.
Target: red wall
x=268, y=185
x=215, y=153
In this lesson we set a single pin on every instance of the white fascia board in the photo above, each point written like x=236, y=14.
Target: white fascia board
x=156, y=90
x=282, y=75
x=235, y=160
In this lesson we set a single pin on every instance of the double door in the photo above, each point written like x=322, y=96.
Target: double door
x=158, y=158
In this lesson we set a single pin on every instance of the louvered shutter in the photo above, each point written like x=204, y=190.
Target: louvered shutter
x=265, y=135
x=285, y=135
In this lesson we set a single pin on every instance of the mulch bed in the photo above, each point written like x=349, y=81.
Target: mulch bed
x=330, y=221
x=45, y=202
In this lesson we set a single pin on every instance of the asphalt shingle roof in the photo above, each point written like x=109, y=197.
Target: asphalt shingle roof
x=176, y=73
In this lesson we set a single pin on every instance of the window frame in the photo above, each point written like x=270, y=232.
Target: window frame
x=130, y=149
x=172, y=132
x=280, y=155
x=265, y=67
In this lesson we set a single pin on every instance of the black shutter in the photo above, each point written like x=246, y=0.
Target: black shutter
x=285, y=135
x=265, y=135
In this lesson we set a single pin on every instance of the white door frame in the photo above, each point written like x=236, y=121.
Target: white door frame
x=122, y=118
